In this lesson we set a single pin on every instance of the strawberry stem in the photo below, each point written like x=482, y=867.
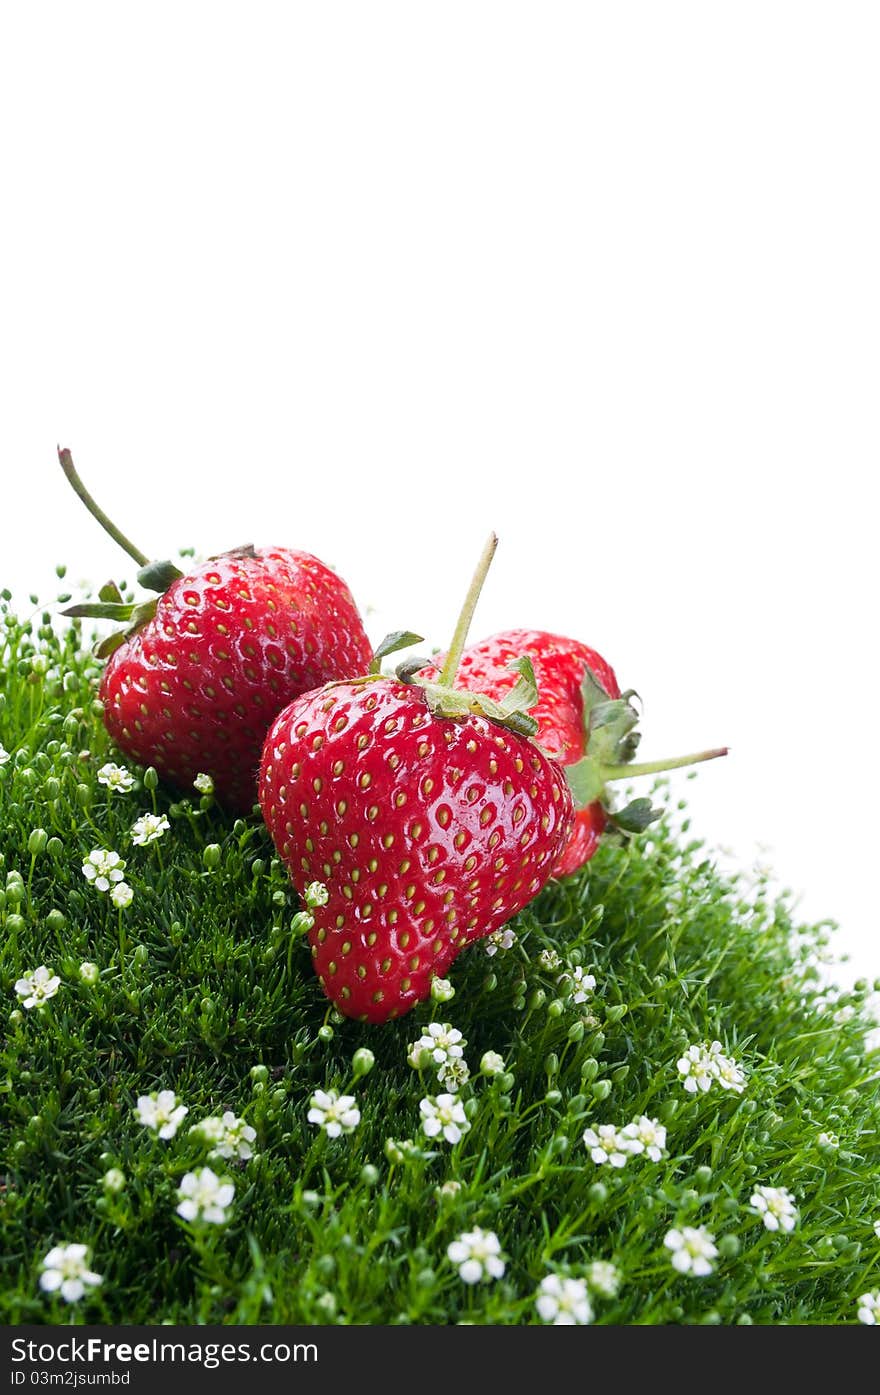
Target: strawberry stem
x=654, y=767
x=459, y=638
x=66, y=461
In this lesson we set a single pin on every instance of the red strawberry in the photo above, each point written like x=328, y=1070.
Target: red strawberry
x=560, y=665
x=194, y=682
x=583, y=720
x=428, y=832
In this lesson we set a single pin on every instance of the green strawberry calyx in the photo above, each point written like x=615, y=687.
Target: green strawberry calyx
x=154, y=576
x=611, y=743
x=445, y=700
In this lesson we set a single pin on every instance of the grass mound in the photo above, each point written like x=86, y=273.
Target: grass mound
x=651, y=993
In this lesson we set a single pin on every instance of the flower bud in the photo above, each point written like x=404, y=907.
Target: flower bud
x=362, y=1062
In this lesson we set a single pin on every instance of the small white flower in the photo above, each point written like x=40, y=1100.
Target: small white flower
x=316, y=894
x=693, y=1250
x=102, y=867
x=37, y=987
x=66, y=1271
x=607, y=1144
x=877, y=1229
x=492, y=1063
x=441, y=1042
x=563, y=1302
x=453, y=1074
x=148, y=828
x=578, y=983
x=549, y=960
x=776, y=1207
x=161, y=1111
x=499, y=940
x=121, y=895
x=202, y=1196
x=697, y=1068
x=442, y=990
x=844, y=1014
x=334, y=1113
x=115, y=778
x=204, y=784
x=229, y=1136
x=869, y=1309
x=704, y=1064
x=89, y=972
x=443, y=1115
x=4, y=755
x=729, y=1075
x=477, y=1254
x=828, y=1140
x=603, y=1278
x=114, y=1179
x=646, y=1136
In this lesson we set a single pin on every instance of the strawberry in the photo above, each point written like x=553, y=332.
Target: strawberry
x=559, y=665
x=428, y=815
x=428, y=832
x=583, y=721
x=194, y=681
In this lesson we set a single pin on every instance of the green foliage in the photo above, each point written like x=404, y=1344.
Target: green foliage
x=205, y=987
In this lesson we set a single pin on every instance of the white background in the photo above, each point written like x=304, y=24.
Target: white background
x=373, y=279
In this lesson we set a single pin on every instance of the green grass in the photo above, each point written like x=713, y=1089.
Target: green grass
x=204, y=990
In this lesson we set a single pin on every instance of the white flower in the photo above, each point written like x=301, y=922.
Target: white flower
x=37, y=987
x=877, y=1229
x=334, y=1113
x=693, y=1250
x=89, y=972
x=441, y=1042
x=114, y=1179
x=121, y=895
x=203, y=1197
x=4, y=755
x=608, y=1144
x=729, y=1075
x=776, y=1207
x=869, y=1309
x=161, y=1111
x=697, y=1068
x=115, y=777
x=499, y=939
x=148, y=828
x=563, y=1302
x=844, y=1014
x=603, y=1278
x=229, y=1136
x=646, y=1136
x=828, y=1140
x=442, y=990
x=492, y=1063
x=548, y=959
x=453, y=1074
x=579, y=984
x=204, y=784
x=101, y=867
x=66, y=1270
x=477, y=1253
x=316, y=894
x=443, y=1114
x=702, y=1065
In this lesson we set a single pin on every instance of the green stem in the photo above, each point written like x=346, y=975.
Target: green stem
x=453, y=657
x=654, y=767
x=66, y=461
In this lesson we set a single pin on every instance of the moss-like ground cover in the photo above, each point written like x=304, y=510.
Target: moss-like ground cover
x=203, y=989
